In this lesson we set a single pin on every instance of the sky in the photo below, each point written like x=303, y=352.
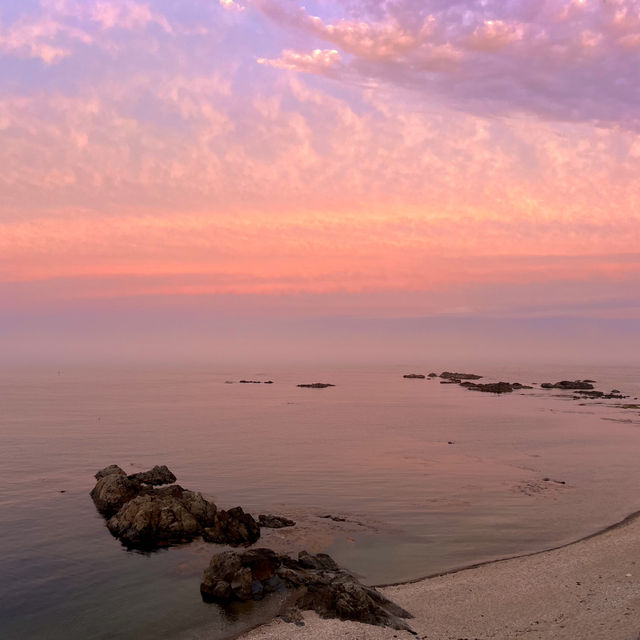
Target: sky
x=273, y=179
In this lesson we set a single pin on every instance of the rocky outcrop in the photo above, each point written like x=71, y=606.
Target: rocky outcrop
x=316, y=580
x=414, y=376
x=432, y=375
x=157, y=476
x=162, y=517
x=274, y=522
x=146, y=516
x=233, y=527
x=568, y=385
x=316, y=385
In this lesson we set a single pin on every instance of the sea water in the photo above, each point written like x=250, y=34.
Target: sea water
x=439, y=477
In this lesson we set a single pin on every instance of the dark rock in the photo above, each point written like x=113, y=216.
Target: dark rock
x=432, y=375
x=268, y=382
x=159, y=475
x=112, y=491
x=107, y=471
x=590, y=381
x=146, y=517
x=317, y=582
x=615, y=391
x=274, y=522
x=414, y=376
x=161, y=517
x=518, y=385
x=334, y=518
x=491, y=387
x=317, y=385
x=250, y=382
x=459, y=376
x=568, y=385
x=233, y=527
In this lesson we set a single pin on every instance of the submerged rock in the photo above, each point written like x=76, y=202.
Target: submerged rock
x=317, y=385
x=233, y=527
x=157, y=476
x=319, y=584
x=274, y=522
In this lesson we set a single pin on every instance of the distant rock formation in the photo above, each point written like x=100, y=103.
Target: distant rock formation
x=448, y=375
x=414, y=376
x=317, y=581
x=316, y=385
x=568, y=385
x=494, y=387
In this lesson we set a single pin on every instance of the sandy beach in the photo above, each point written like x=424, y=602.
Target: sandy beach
x=588, y=589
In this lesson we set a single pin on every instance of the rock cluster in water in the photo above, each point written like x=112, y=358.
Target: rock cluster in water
x=495, y=387
x=145, y=515
x=457, y=377
x=318, y=583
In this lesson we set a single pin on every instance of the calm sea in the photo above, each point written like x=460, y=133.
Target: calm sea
x=374, y=448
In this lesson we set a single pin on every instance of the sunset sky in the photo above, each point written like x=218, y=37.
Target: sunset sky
x=231, y=177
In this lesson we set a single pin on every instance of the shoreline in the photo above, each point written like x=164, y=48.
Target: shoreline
x=632, y=517
x=543, y=595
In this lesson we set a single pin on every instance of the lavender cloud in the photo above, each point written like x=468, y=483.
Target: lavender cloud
x=565, y=59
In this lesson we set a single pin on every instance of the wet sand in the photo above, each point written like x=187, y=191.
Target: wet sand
x=588, y=589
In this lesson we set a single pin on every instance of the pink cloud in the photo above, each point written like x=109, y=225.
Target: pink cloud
x=318, y=61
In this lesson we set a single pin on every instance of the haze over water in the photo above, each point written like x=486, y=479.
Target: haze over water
x=373, y=449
